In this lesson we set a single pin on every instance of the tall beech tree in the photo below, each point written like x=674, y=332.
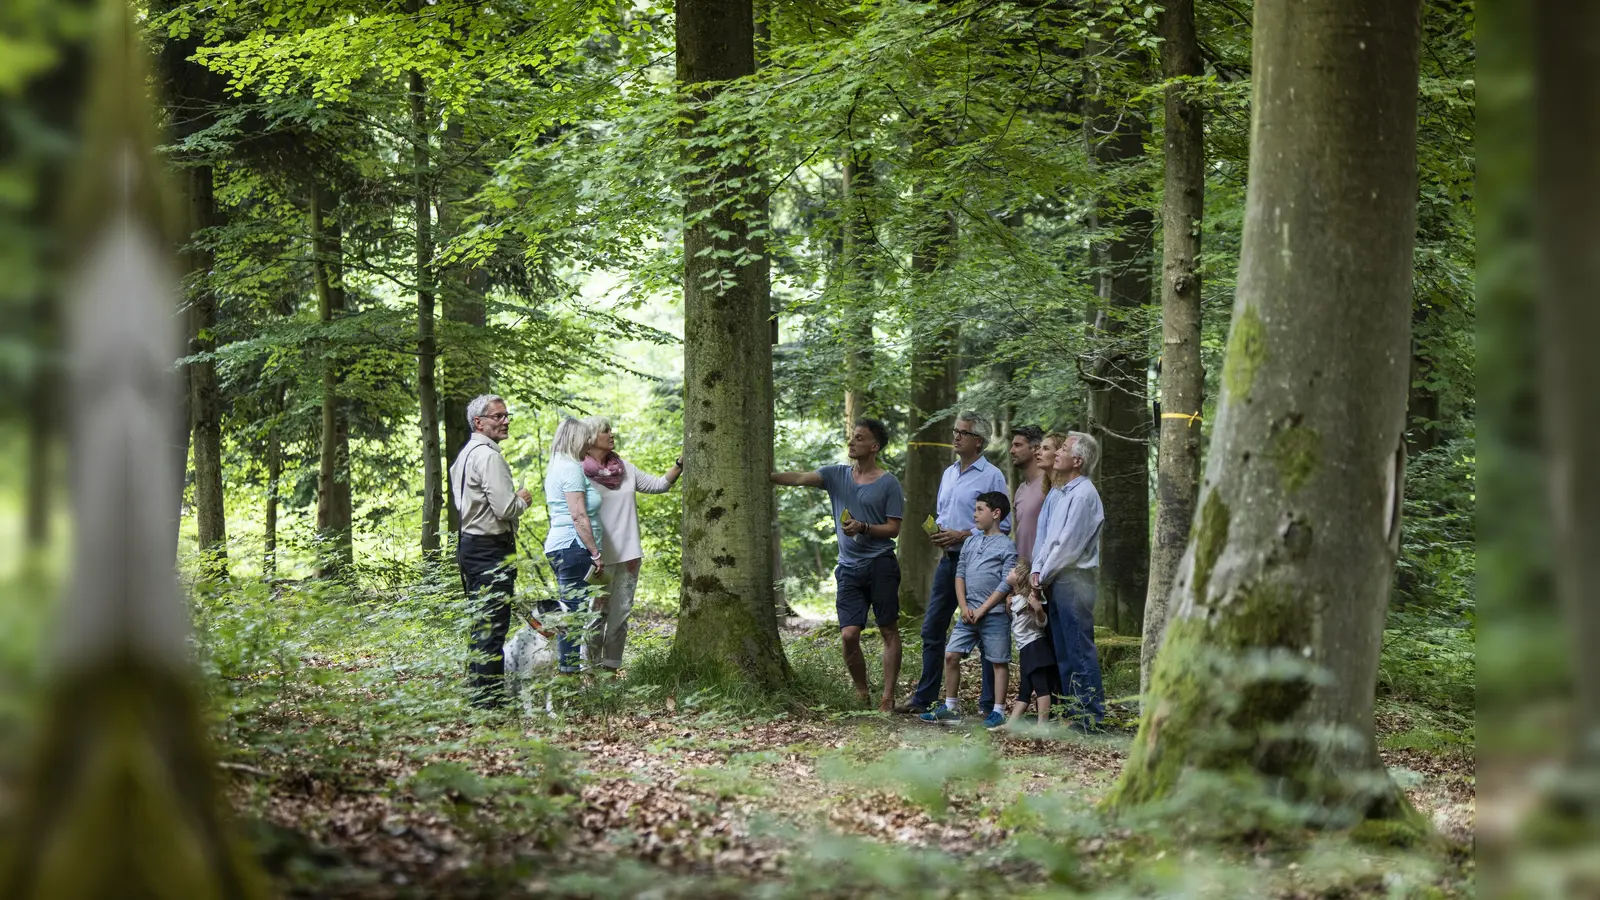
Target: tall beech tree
x=725, y=619
x=195, y=94
x=1183, y=378
x=1271, y=655
x=334, y=509
x=1119, y=415
x=427, y=343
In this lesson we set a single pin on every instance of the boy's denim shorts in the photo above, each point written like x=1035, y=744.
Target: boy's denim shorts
x=994, y=630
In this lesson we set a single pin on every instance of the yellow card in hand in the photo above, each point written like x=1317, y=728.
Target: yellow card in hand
x=844, y=517
x=930, y=526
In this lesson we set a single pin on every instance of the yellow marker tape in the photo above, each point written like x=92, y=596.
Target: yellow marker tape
x=927, y=444
x=1192, y=417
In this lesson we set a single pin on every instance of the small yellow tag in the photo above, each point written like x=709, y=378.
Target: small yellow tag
x=930, y=526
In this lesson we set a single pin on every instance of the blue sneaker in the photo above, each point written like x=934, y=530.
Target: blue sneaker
x=941, y=714
x=994, y=719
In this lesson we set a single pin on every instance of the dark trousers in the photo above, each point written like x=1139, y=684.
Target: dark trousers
x=1072, y=635
x=488, y=577
x=570, y=565
x=942, y=609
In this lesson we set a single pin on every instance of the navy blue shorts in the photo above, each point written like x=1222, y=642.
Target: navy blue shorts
x=875, y=584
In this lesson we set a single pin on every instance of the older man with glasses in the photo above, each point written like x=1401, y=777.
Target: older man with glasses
x=490, y=504
x=959, y=487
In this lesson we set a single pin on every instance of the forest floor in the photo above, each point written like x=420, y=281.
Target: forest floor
x=350, y=790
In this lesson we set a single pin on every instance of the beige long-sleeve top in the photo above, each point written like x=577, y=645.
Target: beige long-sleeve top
x=486, y=497
x=619, y=514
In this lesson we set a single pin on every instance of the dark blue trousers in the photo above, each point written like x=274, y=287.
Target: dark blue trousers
x=1072, y=635
x=942, y=609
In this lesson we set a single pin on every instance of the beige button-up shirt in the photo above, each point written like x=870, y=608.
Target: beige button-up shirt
x=485, y=496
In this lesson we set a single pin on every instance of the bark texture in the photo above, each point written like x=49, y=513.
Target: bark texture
x=427, y=345
x=1271, y=655
x=1183, y=379
x=935, y=377
x=725, y=622
x=1119, y=416
x=334, y=512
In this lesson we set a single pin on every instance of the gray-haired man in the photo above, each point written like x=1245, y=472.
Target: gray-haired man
x=489, y=503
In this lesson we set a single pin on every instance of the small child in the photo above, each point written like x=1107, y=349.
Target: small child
x=1038, y=682
x=981, y=591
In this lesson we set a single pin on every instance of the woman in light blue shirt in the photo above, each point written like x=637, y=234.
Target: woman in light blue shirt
x=573, y=544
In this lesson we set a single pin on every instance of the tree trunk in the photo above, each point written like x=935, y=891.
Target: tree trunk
x=466, y=372
x=334, y=513
x=1119, y=416
x=857, y=272
x=1183, y=379
x=725, y=621
x=1005, y=413
x=41, y=404
x=1287, y=576
x=1568, y=184
x=427, y=349
x=205, y=401
x=935, y=376
x=269, y=551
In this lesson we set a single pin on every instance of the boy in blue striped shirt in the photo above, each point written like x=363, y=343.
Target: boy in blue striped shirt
x=981, y=591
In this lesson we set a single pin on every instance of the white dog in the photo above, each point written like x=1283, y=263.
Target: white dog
x=527, y=655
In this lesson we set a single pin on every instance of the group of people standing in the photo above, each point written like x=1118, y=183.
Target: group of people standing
x=1012, y=567
x=1016, y=567
x=593, y=541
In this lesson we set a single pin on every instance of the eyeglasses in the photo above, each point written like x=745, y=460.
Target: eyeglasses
x=962, y=432
x=498, y=417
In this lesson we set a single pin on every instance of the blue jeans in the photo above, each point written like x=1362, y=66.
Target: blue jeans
x=942, y=609
x=570, y=565
x=1072, y=635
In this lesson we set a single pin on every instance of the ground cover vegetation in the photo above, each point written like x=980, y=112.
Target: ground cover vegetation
x=1041, y=211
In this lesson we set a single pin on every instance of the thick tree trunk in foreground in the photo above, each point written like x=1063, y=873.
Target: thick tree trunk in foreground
x=935, y=377
x=205, y=401
x=857, y=271
x=1183, y=380
x=725, y=621
x=427, y=348
x=1119, y=416
x=1568, y=319
x=334, y=513
x=1296, y=537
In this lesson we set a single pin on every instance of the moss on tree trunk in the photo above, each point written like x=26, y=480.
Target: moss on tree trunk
x=1270, y=659
x=725, y=619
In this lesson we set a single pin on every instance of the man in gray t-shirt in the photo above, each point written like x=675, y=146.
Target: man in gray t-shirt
x=867, y=508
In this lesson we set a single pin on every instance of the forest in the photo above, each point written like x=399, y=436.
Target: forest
x=1232, y=242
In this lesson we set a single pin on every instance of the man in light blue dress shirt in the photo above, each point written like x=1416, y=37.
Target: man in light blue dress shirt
x=959, y=487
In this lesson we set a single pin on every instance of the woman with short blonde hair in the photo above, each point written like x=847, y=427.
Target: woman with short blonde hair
x=574, y=543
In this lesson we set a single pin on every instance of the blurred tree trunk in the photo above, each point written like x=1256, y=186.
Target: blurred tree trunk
x=427, y=347
x=726, y=621
x=1183, y=378
x=1278, y=613
x=334, y=512
x=935, y=377
x=1119, y=416
x=1568, y=185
